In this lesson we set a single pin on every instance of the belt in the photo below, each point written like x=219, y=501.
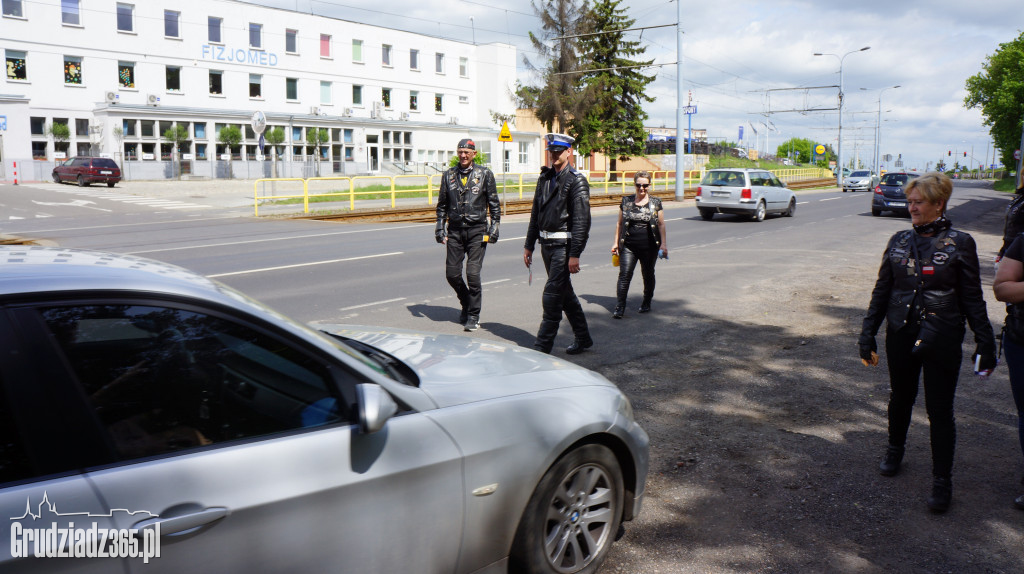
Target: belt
x=555, y=235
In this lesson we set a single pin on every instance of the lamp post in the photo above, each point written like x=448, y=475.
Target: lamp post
x=878, y=126
x=839, y=140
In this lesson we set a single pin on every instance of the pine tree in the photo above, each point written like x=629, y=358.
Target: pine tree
x=614, y=88
x=557, y=100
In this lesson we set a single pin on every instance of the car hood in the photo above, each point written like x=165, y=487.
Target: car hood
x=454, y=369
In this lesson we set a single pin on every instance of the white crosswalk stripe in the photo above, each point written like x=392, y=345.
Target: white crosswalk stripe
x=129, y=199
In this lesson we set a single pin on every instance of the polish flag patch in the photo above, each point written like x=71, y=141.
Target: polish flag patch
x=928, y=270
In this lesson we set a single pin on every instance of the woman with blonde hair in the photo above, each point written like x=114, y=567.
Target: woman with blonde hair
x=640, y=236
x=928, y=283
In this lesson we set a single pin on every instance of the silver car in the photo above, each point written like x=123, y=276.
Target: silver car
x=744, y=191
x=151, y=403
x=860, y=180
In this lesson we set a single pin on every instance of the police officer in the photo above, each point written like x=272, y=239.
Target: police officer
x=560, y=219
x=468, y=192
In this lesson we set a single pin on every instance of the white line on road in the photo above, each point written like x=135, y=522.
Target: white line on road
x=830, y=198
x=303, y=264
x=227, y=244
x=371, y=304
x=495, y=281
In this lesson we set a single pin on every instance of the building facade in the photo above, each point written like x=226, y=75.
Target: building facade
x=342, y=97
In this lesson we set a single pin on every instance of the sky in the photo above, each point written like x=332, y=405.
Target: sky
x=742, y=58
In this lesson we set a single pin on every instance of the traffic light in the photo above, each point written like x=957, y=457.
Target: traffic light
x=949, y=152
x=965, y=154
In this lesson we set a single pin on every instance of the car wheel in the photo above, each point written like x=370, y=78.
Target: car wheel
x=573, y=516
x=707, y=214
x=56, y=178
x=876, y=212
x=760, y=212
x=81, y=182
x=110, y=184
x=791, y=209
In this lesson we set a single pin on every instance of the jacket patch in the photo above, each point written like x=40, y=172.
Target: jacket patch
x=940, y=258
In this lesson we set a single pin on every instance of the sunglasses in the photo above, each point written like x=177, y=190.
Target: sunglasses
x=643, y=185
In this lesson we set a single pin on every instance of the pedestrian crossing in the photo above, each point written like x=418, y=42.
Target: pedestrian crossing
x=123, y=198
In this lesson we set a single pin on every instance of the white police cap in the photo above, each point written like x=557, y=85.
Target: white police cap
x=559, y=141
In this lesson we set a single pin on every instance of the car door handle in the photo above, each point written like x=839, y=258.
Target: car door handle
x=176, y=525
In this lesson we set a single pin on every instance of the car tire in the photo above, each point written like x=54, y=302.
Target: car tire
x=56, y=178
x=707, y=214
x=110, y=184
x=81, y=182
x=791, y=210
x=564, y=530
x=760, y=212
x=876, y=212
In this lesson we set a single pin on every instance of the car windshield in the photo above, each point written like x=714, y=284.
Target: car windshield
x=895, y=179
x=730, y=178
x=860, y=174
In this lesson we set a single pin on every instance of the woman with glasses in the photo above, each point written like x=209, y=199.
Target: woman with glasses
x=639, y=236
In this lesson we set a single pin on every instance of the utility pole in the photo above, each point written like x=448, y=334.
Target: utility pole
x=839, y=140
x=680, y=168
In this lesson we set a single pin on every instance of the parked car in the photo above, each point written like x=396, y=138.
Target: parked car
x=744, y=191
x=889, y=193
x=860, y=180
x=86, y=170
x=134, y=394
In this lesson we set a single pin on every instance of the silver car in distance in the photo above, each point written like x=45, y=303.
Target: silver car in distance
x=168, y=410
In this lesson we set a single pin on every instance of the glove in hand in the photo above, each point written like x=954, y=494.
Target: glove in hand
x=868, y=356
x=987, y=363
x=439, y=236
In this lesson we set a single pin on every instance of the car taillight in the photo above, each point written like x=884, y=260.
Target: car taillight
x=745, y=194
x=698, y=191
x=878, y=189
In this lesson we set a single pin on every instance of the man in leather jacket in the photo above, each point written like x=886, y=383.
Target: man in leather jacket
x=468, y=192
x=928, y=283
x=560, y=220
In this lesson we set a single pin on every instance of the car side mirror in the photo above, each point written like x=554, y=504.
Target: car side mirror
x=375, y=407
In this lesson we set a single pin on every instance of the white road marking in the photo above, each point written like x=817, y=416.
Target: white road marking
x=830, y=198
x=303, y=264
x=495, y=281
x=75, y=203
x=208, y=245
x=368, y=304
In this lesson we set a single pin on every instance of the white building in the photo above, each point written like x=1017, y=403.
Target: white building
x=119, y=75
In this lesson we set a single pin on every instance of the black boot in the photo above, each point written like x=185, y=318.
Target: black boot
x=645, y=306
x=620, y=310
x=546, y=336
x=890, y=465
x=579, y=345
x=942, y=494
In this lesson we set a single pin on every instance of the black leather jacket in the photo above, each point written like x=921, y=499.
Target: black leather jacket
x=565, y=209
x=467, y=206
x=1014, y=223
x=947, y=278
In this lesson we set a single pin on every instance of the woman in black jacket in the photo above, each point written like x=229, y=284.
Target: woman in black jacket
x=927, y=284
x=639, y=237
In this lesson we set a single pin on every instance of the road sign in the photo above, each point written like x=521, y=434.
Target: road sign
x=259, y=122
x=689, y=110
x=819, y=149
x=505, y=135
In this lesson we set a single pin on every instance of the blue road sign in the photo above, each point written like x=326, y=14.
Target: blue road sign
x=689, y=110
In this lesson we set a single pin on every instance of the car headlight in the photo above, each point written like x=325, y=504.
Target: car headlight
x=625, y=408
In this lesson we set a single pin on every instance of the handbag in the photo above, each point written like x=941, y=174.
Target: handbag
x=929, y=337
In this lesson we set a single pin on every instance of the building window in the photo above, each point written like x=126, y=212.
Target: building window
x=70, y=12
x=125, y=17
x=357, y=95
x=200, y=130
x=128, y=127
x=291, y=88
x=37, y=126
x=148, y=128
x=325, y=45
x=255, y=86
x=296, y=134
x=414, y=101
x=464, y=67
x=215, y=82
x=348, y=136
x=126, y=74
x=524, y=155
x=38, y=150
x=325, y=92
x=385, y=96
x=81, y=127
x=385, y=55
x=171, y=19
x=439, y=103
x=17, y=69
x=73, y=70
x=291, y=41
x=255, y=35
x=357, y=51
x=173, y=76
x=439, y=63
x=13, y=8
x=213, y=25
x=414, y=59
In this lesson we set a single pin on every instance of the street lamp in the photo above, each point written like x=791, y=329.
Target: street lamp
x=878, y=126
x=839, y=140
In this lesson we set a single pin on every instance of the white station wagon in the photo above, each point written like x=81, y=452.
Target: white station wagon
x=744, y=191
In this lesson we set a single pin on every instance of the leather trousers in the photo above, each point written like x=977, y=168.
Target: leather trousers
x=941, y=371
x=559, y=297
x=628, y=258
x=467, y=243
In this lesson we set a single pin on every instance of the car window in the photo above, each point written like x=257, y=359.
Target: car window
x=103, y=162
x=895, y=179
x=860, y=174
x=163, y=379
x=80, y=162
x=14, y=461
x=776, y=182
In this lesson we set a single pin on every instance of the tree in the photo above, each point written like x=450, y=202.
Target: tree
x=801, y=148
x=614, y=90
x=61, y=133
x=317, y=137
x=558, y=99
x=274, y=137
x=119, y=136
x=176, y=134
x=230, y=136
x=998, y=91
